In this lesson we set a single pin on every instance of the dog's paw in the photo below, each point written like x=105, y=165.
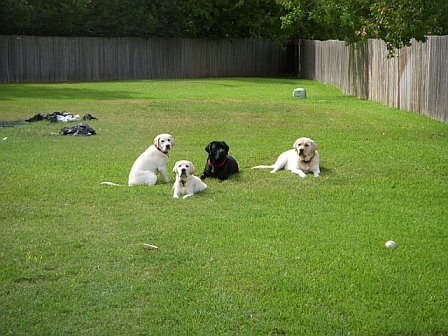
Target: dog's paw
x=188, y=195
x=175, y=196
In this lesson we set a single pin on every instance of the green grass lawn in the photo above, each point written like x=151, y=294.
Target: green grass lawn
x=259, y=254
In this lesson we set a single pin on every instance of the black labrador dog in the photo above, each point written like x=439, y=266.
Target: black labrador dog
x=219, y=163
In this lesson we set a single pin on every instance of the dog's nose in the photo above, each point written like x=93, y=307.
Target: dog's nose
x=168, y=146
x=183, y=170
x=300, y=150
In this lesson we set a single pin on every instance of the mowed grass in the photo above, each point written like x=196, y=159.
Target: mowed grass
x=259, y=254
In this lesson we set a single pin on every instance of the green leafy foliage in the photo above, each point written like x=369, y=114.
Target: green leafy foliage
x=229, y=18
x=165, y=18
x=396, y=22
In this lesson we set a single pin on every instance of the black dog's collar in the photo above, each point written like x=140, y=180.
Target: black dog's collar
x=217, y=165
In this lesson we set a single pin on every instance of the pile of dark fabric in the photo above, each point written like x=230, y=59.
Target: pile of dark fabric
x=59, y=117
x=88, y=116
x=81, y=130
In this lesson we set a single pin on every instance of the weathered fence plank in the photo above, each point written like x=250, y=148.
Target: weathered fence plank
x=416, y=80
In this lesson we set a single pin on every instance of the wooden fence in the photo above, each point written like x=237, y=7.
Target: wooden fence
x=60, y=59
x=416, y=80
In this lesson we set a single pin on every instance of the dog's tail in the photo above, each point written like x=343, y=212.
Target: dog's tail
x=112, y=184
x=263, y=167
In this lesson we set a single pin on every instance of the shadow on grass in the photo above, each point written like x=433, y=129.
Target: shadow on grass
x=273, y=80
x=10, y=123
x=325, y=170
x=16, y=92
x=236, y=82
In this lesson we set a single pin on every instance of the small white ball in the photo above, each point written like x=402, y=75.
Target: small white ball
x=391, y=244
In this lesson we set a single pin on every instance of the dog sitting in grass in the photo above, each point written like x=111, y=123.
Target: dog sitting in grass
x=186, y=183
x=152, y=161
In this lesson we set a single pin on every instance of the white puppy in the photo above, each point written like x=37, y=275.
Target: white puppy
x=186, y=183
x=152, y=161
x=303, y=158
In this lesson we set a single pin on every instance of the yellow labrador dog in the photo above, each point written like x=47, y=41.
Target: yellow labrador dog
x=186, y=183
x=150, y=162
x=303, y=158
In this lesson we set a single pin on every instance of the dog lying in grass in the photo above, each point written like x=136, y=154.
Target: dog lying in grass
x=186, y=183
x=219, y=163
x=303, y=158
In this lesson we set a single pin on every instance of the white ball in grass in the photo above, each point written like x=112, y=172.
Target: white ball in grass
x=391, y=244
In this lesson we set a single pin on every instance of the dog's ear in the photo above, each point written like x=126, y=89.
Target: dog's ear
x=226, y=147
x=208, y=147
x=192, y=168
x=156, y=141
x=313, y=145
x=174, y=168
x=296, y=143
x=172, y=140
